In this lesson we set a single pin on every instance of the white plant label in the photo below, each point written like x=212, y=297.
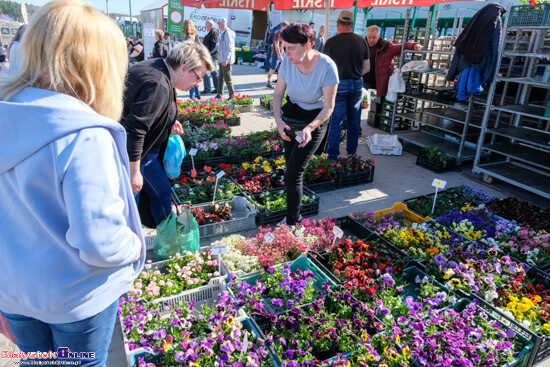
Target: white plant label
x=269, y=237
x=338, y=233
x=440, y=184
x=218, y=250
x=193, y=152
x=220, y=174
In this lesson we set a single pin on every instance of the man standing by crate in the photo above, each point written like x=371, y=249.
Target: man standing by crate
x=211, y=41
x=226, y=57
x=381, y=55
x=351, y=55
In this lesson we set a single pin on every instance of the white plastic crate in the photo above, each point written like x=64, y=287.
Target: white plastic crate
x=384, y=144
x=243, y=217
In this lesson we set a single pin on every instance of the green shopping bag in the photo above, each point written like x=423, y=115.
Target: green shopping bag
x=176, y=234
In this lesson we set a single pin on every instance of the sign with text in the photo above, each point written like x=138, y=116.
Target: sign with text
x=175, y=17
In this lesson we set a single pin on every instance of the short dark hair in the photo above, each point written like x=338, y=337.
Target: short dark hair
x=345, y=24
x=310, y=23
x=298, y=33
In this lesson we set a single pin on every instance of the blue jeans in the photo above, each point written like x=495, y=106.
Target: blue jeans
x=348, y=104
x=208, y=85
x=156, y=186
x=214, y=75
x=194, y=92
x=89, y=335
x=267, y=63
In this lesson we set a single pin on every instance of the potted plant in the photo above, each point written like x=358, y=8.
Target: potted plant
x=435, y=159
x=242, y=102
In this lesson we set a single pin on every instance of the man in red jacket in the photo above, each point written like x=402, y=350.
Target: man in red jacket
x=381, y=55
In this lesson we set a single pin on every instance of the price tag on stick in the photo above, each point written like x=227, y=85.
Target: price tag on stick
x=438, y=184
x=193, y=153
x=218, y=176
x=269, y=237
x=338, y=233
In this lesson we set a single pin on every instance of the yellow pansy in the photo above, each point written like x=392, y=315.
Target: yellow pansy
x=258, y=159
x=246, y=165
x=546, y=327
x=267, y=169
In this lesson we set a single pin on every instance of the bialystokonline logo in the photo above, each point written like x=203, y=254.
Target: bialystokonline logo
x=62, y=353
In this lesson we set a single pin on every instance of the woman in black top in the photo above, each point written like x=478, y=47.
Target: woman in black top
x=149, y=117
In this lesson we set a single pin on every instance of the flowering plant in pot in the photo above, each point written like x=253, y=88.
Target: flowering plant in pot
x=241, y=99
x=320, y=169
x=471, y=273
x=423, y=241
x=398, y=301
x=198, y=188
x=359, y=264
x=451, y=199
x=273, y=201
x=380, y=223
x=526, y=302
x=180, y=273
x=334, y=323
x=526, y=245
x=522, y=212
x=276, y=290
x=286, y=246
x=214, y=213
x=192, y=336
x=476, y=223
x=234, y=259
x=481, y=341
x=380, y=350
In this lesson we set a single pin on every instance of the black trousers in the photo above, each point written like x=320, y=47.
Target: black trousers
x=297, y=160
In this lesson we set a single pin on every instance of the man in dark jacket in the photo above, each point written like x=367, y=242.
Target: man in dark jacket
x=149, y=117
x=211, y=41
x=381, y=55
x=161, y=47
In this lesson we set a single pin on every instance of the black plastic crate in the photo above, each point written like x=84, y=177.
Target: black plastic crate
x=267, y=217
x=324, y=186
x=357, y=178
x=435, y=166
x=352, y=227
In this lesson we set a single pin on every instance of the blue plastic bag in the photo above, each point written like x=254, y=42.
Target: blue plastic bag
x=175, y=152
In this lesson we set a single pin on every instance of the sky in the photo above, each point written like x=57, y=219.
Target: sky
x=115, y=6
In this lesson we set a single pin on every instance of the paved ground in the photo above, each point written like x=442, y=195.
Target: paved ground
x=396, y=178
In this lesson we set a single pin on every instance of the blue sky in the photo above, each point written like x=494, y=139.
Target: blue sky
x=116, y=6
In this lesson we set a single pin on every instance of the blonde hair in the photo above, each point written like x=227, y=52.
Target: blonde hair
x=159, y=34
x=373, y=29
x=189, y=27
x=191, y=54
x=322, y=30
x=71, y=48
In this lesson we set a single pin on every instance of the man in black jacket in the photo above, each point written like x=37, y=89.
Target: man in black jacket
x=161, y=47
x=149, y=117
x=211, y=41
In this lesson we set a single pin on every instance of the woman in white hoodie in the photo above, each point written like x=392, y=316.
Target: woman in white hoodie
x=71, y=239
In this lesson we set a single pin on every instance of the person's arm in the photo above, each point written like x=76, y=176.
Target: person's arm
x=329, y=97
x=144, y=111
x=278, y=96
x=366, y=66
x=91, y=185
x=215, y=49
x=413, y=46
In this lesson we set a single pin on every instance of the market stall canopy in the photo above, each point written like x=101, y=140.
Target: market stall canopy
x=307, y=4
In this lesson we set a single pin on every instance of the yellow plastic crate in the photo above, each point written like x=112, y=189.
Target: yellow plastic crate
x=410, y=217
